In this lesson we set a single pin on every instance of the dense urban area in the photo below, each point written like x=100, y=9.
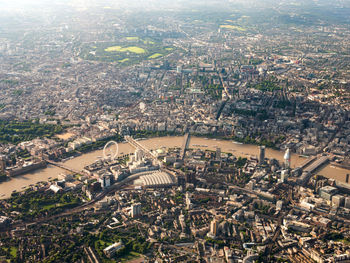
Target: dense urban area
x=76, y=78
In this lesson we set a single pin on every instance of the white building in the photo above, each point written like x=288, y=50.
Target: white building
x=287, y=159
x=138, y=155
x=213, y=229
x=105, y=180
x=55, y=188
x=112, y=249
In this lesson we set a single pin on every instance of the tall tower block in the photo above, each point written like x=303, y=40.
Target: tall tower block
x=2, y=164
x=261, y=154
x=287, y=158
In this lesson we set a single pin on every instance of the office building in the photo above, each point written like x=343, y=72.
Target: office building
x=287, y=159
x=261, y=154
x=135, y=210
x=218, y=154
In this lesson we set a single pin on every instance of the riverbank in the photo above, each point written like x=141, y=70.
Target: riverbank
x=239, y=150
x=340, y=165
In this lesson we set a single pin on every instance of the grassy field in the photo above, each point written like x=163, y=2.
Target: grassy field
x=128, y=51
x=132, y=38
x=131, y=256
x=124, y=60
x=132, y=49
x=156, y=55
x=13, y=252
x=48, y=207
x=148, y=42
x=103, y=243
x=232, y=27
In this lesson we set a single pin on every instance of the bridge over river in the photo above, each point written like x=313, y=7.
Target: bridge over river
x=62, y=166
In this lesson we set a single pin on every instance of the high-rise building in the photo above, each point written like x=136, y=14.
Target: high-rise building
x=105, y=180
x=138, y=155
x=182, y=222
x=287, y=159
x=179, y=69
x=2, y=163
x=213, y=228
x=261, y=154
x=135, y=210
x=188, y=201
x=218, y=154
x=284, y=175
x=347, y=202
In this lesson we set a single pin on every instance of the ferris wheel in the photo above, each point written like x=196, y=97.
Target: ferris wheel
x=110, y=151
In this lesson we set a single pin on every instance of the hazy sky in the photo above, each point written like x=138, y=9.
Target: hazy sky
x=36, y=5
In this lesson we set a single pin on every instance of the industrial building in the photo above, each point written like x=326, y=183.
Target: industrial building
x=155, y=179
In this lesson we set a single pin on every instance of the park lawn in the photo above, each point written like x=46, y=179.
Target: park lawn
x=148, y=42
x=132, y=38
x=124, y=60
x=113, y=49
x=136, y=50
x=13, y=252
x=127, y=54
x=48, y=207
x=104, y=243
x=57, y=205
x=132, y=49
x=238, y=28
x=156, y=55
x=131, y=256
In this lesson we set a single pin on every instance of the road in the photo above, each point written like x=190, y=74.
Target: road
x=224, y=86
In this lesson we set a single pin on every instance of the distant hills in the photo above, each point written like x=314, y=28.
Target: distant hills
x=299, y=12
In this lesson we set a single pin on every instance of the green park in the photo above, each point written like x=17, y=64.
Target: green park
x=126, y=51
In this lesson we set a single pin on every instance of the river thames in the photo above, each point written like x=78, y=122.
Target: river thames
x=21, y=182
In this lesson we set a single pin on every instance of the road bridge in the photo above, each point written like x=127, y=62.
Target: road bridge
x=138, y=145
x=307, y=162
x=316, y=165
x=185, y=144
x=60, y=165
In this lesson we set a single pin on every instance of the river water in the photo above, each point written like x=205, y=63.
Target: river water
x=18, y=183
